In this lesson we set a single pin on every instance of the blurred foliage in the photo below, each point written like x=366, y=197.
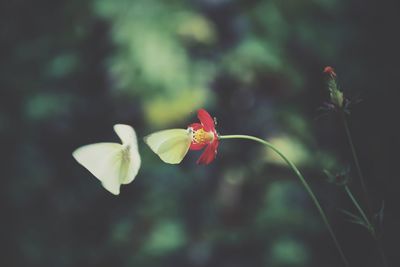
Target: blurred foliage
x=153, y=61
x=71, y=69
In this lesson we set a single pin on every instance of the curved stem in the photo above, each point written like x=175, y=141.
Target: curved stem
x=303, y=181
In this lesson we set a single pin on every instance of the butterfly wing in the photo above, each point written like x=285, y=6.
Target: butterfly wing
x=126, y=133
x=170, y=145
x=102, y=160
x=113, y=164
x=130, y=162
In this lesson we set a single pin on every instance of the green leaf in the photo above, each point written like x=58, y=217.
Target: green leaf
x=356, y=219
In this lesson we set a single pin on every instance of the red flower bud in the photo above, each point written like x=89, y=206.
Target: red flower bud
x=330, y=71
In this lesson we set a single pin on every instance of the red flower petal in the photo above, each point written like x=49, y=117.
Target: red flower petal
x=194, y=146
x=209, y=153
x=196, y=126
x=329, y=70
x=206, y=120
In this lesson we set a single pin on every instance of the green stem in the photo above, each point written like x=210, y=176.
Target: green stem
x=382, y=252
x=357, y=163
x=303, y=181
x=369, y=224
x=364, y=188
x=360, y=210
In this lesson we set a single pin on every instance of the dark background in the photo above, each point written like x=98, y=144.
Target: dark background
x=71, y=69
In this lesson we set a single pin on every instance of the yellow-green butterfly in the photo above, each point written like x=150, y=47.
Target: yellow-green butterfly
x=170, y=145
x=112, y=163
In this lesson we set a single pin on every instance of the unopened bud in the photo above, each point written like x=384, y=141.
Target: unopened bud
x=337, y=97
x=335, y=94
x=329, y=70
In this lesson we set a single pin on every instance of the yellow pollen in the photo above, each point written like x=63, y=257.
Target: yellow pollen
x=202, y=137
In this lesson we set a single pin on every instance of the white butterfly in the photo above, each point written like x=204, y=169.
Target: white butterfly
x=112, y=163
x=170, y=145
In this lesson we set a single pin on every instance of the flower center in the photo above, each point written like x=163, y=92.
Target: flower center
x=202, y=137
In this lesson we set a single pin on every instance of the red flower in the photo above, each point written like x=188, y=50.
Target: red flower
x=330, y=71
x=204, y=135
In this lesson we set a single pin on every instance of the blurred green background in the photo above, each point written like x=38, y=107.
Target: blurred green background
x=71, y=69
